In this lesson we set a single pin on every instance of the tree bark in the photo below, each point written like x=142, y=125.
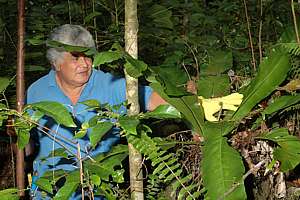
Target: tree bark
x=131, y=46
x=20, y=92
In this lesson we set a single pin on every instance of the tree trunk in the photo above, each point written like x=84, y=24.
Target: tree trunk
x=131, y=46
x=20, y=92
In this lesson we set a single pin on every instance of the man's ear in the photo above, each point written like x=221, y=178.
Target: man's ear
x=56, y=66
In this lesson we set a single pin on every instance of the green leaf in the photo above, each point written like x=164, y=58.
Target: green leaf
x=80, y=134
x=173, y=85
x=55, y=110
x=222, y=167
x=219, y=62
x=91, y=103
x=23, y=137
x=129, y=124
x=213, y=86
x=288, y=152
x=99, y=131
x=70, y=186
x=118, y=176
x=187, y=105
x=60, y=152
x=281, y=103
x=9, y=194
x=134, y=67
x=4, y=82
x=96, y=180
x=90, y=16
x=69, y=48
x=106, y=57
x=163, y=112
x=105, y=163
x=37, y=115
x=44, y=184
x=272, y=71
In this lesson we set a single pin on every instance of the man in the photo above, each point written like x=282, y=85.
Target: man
x=70, y=81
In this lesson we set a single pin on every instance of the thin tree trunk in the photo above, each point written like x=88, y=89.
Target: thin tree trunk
x=20, y=92
x=131, y=46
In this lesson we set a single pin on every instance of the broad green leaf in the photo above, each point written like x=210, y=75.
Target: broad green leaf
x=163, y=112
x=44, y=184
x=70, y=186
x=272, y=71
x=37, y=115
x=219, y=62
x=213, y=86
x=89, y=51
x=60, y=152
x=99, y=131
x=281, y=103
x=187, y=105
x=222, y=167
x=55, y=110
x=90, y=16
x=9, y=194
x=134, y=67
x=172, y=79
x=129, y=124
x=288, y=152
x=106, y=57
x=4, y=82
x=217, y=129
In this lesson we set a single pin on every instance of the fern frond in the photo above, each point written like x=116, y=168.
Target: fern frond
x=166, y=169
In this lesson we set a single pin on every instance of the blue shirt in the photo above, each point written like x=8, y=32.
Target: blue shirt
x=101, y=86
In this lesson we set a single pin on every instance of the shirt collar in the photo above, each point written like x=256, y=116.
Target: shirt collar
x=51, y=78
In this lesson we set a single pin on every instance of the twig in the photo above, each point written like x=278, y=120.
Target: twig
x=250, y=37
x=80, y=170
x=235, y=185
x=95, y=25
x=295, y=22
x=259, y=33
x=69, y=7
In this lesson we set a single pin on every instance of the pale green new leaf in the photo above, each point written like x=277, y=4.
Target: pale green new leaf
x=272, y=72
x=9, y=194
x=55, y=110
x=288, y=152
x=163, y=112
x=222, y=167
x=99, y=131
x=281, y=103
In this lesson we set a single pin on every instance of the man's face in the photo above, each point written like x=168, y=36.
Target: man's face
x=74, y=69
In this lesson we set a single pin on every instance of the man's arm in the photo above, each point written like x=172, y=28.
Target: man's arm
x=155, y=101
